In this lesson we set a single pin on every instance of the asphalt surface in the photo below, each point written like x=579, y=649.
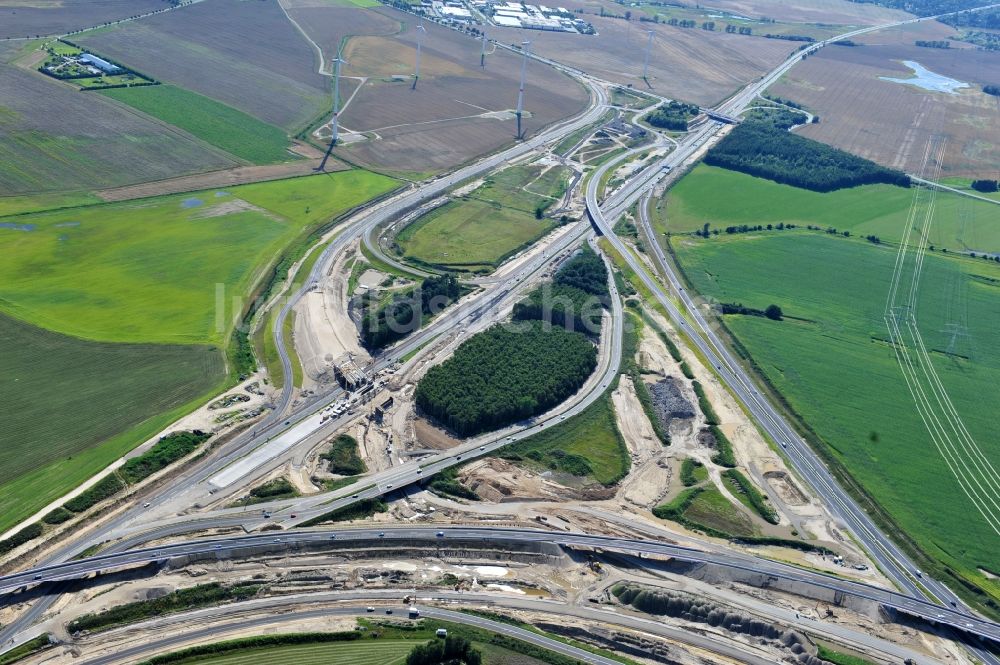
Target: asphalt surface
x=236, y=546
x=889, y=557
x=287, y=609
x=168, y=644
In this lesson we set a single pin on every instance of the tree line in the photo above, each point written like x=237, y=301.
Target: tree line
x=763, y=150
x=505, y=374
x=933, y=43
x=453, y=650
x=986, y=186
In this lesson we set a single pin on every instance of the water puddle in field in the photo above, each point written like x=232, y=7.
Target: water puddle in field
x=17, y=227
x=219, y=195
x=927, y=80
x=191, y=203
x=65, y=224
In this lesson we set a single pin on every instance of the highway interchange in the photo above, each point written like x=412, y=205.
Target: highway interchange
x=477, y=313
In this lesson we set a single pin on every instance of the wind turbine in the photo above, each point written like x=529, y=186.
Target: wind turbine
x=645, y=63
x=336, y=97
x=520, y=90
x=420, y=40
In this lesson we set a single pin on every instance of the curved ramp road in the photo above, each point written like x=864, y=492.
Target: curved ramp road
x=288, y=609
x=891, y=559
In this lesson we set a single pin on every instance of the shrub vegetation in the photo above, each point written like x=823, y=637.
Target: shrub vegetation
x=744, y=490
x=202, y=595
x=343, y=456
x=383, y=324
x=673, y=116
x=167, y=450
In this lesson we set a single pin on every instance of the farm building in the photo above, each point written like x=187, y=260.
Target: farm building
x=456, y=13
x=507, y=21
x=99, y=63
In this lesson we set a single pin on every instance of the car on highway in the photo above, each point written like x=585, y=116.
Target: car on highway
x=354, y=496
x=440, y=534
x=293, y=515
x=146, y=505
x=333, y=537
x=388, y=610
x=381, y=534
x=369, y=609
x=38, y=577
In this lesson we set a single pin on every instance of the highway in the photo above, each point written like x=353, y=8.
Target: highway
x=691, y=322
x=216, y=629
x=217, y=622
x=233, y=546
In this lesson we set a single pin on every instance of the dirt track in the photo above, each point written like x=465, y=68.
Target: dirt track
x=240, y=175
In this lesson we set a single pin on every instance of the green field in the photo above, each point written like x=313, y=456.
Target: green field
x=223, y=126
x=830, y=359
x=592, y=435
x=479, y=231
x=723, y=198
x=714, y=510
x=149, y=270
x=17, y=205
x=370, y=652
x=73, y=406
x=124, y=298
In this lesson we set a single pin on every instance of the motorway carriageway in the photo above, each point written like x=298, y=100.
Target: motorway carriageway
x=280, y=541
x=275, y=611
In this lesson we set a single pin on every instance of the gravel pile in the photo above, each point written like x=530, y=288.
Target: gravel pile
x=669, y=402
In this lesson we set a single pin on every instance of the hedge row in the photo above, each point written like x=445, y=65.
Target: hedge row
x=740, y=483
x=29, y=532
x=711, y=418
x=724, y=455
x=202, y=595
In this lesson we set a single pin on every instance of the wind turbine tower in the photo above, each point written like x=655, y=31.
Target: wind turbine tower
x=336, y=97
x=520, y=90
x=482, y=54
x=420, y=40
x=645, y=62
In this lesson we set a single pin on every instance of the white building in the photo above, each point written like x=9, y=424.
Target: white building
x=507, y=21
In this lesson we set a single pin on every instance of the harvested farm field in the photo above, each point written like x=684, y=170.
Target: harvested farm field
x=457, y=112
x=841, y=12
x=890, y=122
x=72, y=406
x=105, y=145
x=244, y=54
x=691, y=65
x=29, y=19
